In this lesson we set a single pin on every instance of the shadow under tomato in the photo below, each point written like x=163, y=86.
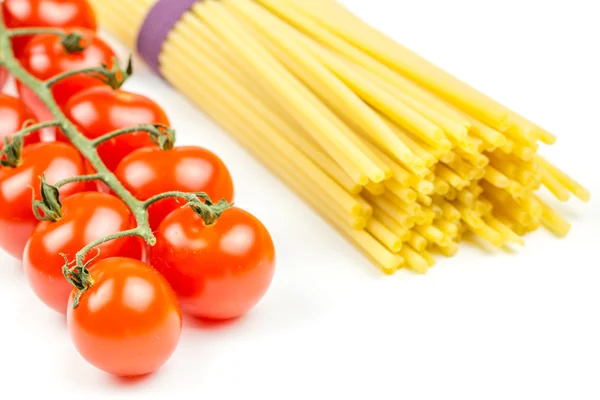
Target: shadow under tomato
x=132, y=380
x=210, y=324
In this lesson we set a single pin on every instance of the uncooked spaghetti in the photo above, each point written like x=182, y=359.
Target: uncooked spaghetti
x=401, y=157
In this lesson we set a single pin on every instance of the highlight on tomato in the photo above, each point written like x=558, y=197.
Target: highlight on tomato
x=13, y=115
x=219, y=271
x=57, y=161
x=86, y=217
x=100, y=110
x=45, y=57
x=150, y=171
x=128, y=322
x=46, y=14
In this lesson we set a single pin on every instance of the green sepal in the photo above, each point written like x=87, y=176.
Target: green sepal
x=116, y=76
x=165, y=137
x=72, y=43
x=11, y=152
x=50, y=205
x=79, y=276
x=209, y=212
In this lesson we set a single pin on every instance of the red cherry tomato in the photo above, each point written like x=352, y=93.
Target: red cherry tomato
x=151, y=171
x=100, y=110
x=3, y=77
x=128, y=322
x=45, y=57
x=13, y=114
x=46, y=14
x=219, y=271
x=87, y=217
x=57, y=161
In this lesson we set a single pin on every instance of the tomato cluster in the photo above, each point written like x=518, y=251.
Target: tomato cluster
x=128, y=321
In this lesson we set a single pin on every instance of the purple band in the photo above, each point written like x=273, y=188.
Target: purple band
x=159, y=21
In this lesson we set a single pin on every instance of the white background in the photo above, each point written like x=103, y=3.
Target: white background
x=479, y=326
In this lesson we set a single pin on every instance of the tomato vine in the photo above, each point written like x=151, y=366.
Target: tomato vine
x=76, y=271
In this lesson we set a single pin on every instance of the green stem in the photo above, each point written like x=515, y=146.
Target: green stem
x=10, y=155
x=36, y=31
x=50, y=205
x=79, y=257
x=207, y=210
x=115, y=76
x=70, y=41
x=81, y=178
x=78, y=275
x=170, y=195
x=96, y=72
x=36, y=127
x=160, y=134
x=83, y=144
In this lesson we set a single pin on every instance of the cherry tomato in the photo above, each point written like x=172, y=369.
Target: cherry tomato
x=3, y=77
x=151, y=171
x=128, y=322
x=87, y=217
x=46, y=14
x=45, y=57
x=100, y=110
x=13, y=115
x=57, y=161
x=219, y=271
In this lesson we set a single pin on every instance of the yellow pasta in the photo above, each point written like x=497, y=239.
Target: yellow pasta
x=390, y=223
x=398, y=214
x=441, y=186
x=553, y=221
x=431, y=233
x=505, y=231
x=417, y=242
x=448, y=228
x=559, y=191
x=466, y=197
x=414, y=260
x=565, y=180
x=429, y=258
x=496, y=178
x=424, y=199
x=399, y=156
x=375, y=189
x=449, y=249
x=407, y=195
x=491, y=235
x=388, y=238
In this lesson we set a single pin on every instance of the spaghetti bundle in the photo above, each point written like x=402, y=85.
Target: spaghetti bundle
x=401, y=157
